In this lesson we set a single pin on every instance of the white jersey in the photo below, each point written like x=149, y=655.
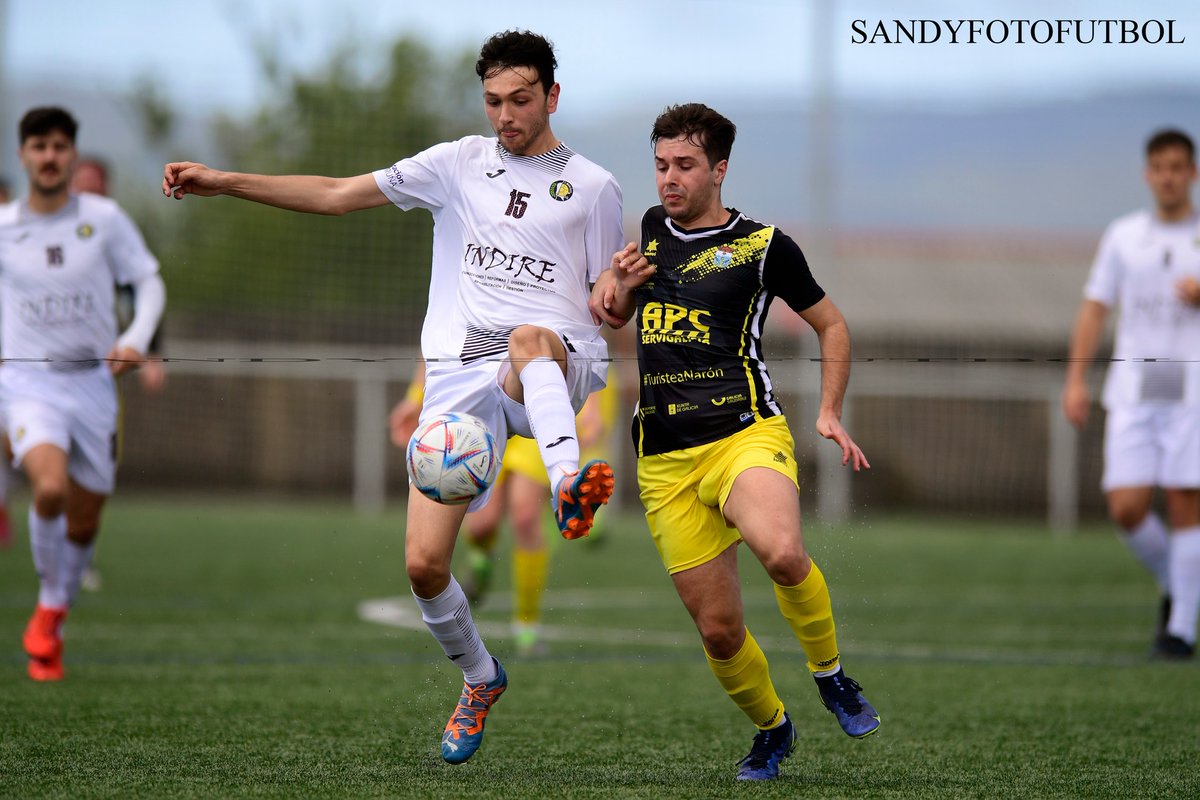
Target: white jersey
x=57, y=276
x=516, y=240
x=1157, y=344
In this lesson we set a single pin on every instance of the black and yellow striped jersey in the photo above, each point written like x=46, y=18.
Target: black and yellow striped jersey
x=699, y=327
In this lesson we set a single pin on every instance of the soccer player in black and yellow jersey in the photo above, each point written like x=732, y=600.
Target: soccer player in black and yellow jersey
x=716, y=462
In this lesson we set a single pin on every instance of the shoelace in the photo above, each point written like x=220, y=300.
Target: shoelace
x=847, y=695
x=762, y=750
x=471, y=708
x=563, y=490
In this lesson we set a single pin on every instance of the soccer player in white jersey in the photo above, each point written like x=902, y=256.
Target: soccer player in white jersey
x=1148, y=265
x=522, y=227
x=60, y=256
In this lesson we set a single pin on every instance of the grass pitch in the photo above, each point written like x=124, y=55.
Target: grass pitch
x=225, y=656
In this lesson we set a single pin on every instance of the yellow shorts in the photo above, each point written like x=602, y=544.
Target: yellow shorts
x=523, y=458
x=684, y=490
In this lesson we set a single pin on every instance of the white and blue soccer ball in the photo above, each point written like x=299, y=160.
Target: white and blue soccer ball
x=452, y=458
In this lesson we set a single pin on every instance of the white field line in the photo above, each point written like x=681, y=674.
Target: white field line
x=401, y=612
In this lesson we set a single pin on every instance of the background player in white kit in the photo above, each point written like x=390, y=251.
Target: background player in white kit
x=60, y=256
x=522, y=227
x=1148, y=264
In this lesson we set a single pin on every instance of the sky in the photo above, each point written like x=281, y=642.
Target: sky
x=611, y=53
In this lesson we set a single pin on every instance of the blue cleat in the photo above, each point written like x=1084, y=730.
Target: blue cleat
x=842, y=695
x=464, y=731
x=769, y=750
x=577, y=495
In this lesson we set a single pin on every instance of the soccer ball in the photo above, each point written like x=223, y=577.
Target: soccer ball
x=452, y=458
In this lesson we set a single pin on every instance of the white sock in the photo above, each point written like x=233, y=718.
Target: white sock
x=73, y=562
x=551, y=417
x=1150, y=543
x=48, y=539
x=1185, y=583
x=448, y=617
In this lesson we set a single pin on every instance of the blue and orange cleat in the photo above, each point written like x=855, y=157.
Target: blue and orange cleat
x=577, y=495
x=842, y=695
x=464, y=731
x=769, y=750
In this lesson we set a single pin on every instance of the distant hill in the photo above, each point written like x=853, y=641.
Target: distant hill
x=1070, y=165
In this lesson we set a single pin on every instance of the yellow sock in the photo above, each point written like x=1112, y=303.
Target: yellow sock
x=529, y=582
x=747, y=681
x=808, y=610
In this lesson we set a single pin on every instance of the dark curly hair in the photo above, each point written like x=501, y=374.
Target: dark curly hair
x=701, y=125
x=517, y=49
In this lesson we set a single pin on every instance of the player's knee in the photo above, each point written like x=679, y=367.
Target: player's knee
x=83, y=534
x=527, y=521
x=482, y=530
x=529, y=341
x=1127, y=515
x=428, y=578
x=50, y=497
x=722, y=645
x=1183, y=508
x=722, y=636
x=788, y=566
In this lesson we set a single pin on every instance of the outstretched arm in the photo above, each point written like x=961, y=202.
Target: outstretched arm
x=314, y=194
x=834, y=338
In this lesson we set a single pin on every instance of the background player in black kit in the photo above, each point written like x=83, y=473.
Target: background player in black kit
x=716, y=461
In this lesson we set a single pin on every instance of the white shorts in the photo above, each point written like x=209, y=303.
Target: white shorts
x=476, y=388
x=1152, y=445
x=75, y=412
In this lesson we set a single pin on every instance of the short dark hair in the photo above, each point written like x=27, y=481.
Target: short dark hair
x=44, y=119
x=701, y=126
x=1171, y=137
x=517, y=49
